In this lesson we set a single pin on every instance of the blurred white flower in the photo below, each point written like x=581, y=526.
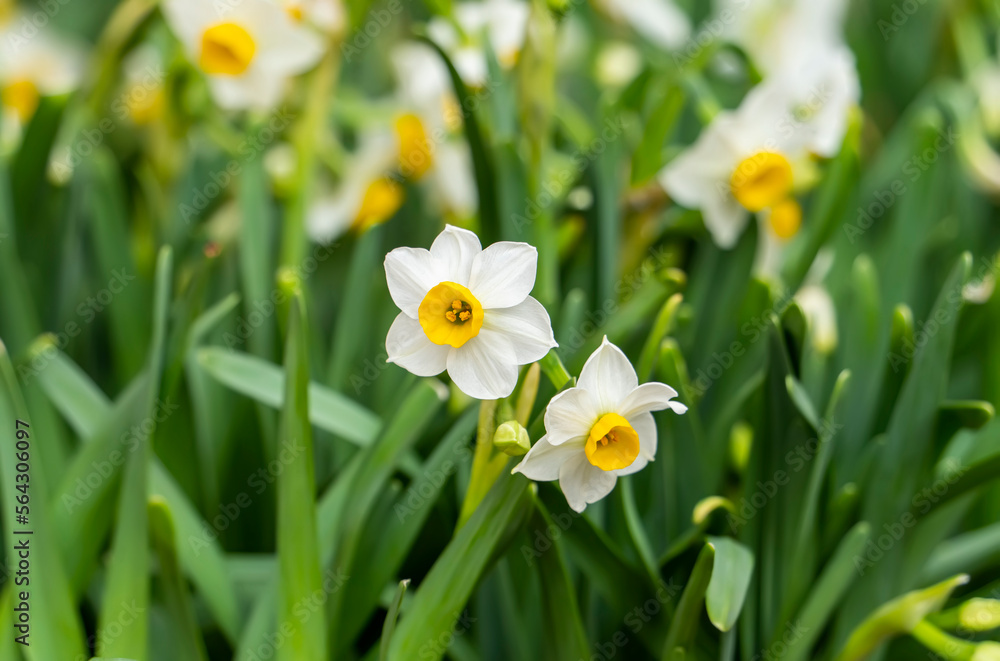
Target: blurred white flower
x=428, y=130
x=31, y=67
x=617, y=64
x=501, y=23
x=660, y=21
x=798, y=45
x=327, y=15
x=599, y=430
x=986, y=82
x=743, y=162
x=467, y=310
x=248, y=49
x=817, y=305
x=142, y=100
x=368, y=195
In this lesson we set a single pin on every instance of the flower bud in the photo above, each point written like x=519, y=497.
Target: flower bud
x=512, y=439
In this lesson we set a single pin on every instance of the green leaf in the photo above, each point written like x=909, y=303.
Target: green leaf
x=57, y=632
x=390, y=620
x=897, y=617
x=680, y=638
x=265, y=383
x=298, y=550
x=127, y=582
x=444, y=592
x=731, y=575
x=187, y=637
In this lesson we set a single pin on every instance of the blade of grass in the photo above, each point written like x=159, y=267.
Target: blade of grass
x=390, y=620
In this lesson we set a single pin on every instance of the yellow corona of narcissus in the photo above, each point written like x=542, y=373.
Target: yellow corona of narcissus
x=744, y=162
x=599, y=430
x=247, y=49
x=468, y=311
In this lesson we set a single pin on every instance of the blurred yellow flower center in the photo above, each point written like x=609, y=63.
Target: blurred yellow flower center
x=382, y=199
x=145, y=105
x=452, y=112
x=508, y=59
x=785, y=219
x=450, y=314
x=762, y=180
x=21, y=96
x=295, y=11
x=226, y=49
x=613, y=444
x=414, y=147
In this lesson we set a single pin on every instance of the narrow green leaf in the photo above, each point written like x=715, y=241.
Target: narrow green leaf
x=443, y=594
x=187, y=637
x=265, y=382
x=390, y=620
x=56, y=631
x=680, y=638
x=298, y=548
x=127, y=583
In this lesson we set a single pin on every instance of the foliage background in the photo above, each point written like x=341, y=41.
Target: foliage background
x=187, y=542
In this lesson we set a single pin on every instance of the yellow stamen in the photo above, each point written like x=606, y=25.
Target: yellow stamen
x=381, y=201
x=508, y=59
x=785, y=219
x=226, y=49
x=613, y=444
x=762, y=180
x=21, y=96
x=414, y=147
x=296, y=12
x=442, y=322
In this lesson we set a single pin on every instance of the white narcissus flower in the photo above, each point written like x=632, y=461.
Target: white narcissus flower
x=599, y=430
x=504, y=23
x=799, y=45
x=744, y=162
x=369, y=194
x=467, y=310
x=248, y=49
x=31, y=67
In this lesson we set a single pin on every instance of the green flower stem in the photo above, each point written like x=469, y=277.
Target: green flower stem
x=948, y=647
x=554, y=369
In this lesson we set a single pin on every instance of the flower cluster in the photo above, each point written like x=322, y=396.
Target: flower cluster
x=468, y=311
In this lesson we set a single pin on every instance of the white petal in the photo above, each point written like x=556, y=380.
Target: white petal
x=456, y=248
x=584, y=483
x=504, y=274
x=410, y=274
x=453, y=179
x=648, y=397
x=284, y=47
x=527, y=326
x=609, y=376
x=660, y=21
x=695, y=175
x=485, y=367
x=543, y=461
x=330, y=216
x=408, y=346
x=725, y=218
x=570, y=416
